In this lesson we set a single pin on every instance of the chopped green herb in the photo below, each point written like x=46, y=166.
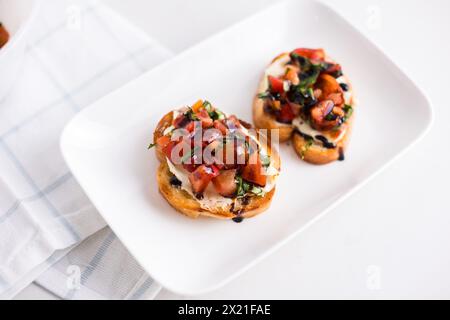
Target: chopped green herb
x=264, y=95
x=295, y=55
x=216, y=115
x=151, y=145
x=304, y=62
x=191, y=115
x=258, y=191
x=309, y=143
x=213, y=113
x=265, y=160
x=310, y=71
x=207, y=105
x=242, y=187
x=309, y=77
x=348, y=112
x=331, y=116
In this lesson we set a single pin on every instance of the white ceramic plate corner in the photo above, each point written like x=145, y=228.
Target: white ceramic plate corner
x=105, y=145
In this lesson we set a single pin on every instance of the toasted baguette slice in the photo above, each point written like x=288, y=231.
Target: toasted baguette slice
x=315, y=153
x=185, y=203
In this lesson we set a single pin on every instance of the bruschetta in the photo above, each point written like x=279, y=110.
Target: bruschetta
x=305, y=95
x=213, y=164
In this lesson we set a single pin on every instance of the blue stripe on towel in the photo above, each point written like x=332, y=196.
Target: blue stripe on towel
x=47, y=190
x=93, y=264
x=52, y=209
x=142, y=289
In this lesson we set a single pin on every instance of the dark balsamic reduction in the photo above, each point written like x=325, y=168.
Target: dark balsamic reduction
x=175, y=182
x=199, y=196
x=304, y=135
x=245, y=200
x=238, y=219
x=341, y=155
x=344, y=86
x=325, y=142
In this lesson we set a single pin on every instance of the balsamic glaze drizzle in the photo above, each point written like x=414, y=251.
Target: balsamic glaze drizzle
x=325, y=142
x=341, y=154
x=175, y=182
x=238, y=219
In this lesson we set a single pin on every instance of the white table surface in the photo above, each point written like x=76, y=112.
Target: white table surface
x=392, y=238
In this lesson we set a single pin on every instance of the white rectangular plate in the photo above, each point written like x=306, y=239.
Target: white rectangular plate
x=106, y=145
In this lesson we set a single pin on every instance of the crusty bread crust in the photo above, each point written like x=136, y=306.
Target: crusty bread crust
x=183, y=202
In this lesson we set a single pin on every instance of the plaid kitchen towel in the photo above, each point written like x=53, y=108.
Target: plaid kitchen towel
x=79, y=51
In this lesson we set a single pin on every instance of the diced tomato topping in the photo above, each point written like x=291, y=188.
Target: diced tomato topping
x=191, y=126
x=181, y=121
x=219, y=166
x=167, y=149
x=337, y=98
x=253, y=171
x=314, y=54
x=333, y=68
x=189, y=167
x=328, y=85
x=232, y=122
x=197, y=105
x=201, y=177
x=204, y=117
x=214, y=171
x=220, y=126
x=276, y=85
x=286, y=114
x=225, y=183
x=292, y=76
x=163, y=141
